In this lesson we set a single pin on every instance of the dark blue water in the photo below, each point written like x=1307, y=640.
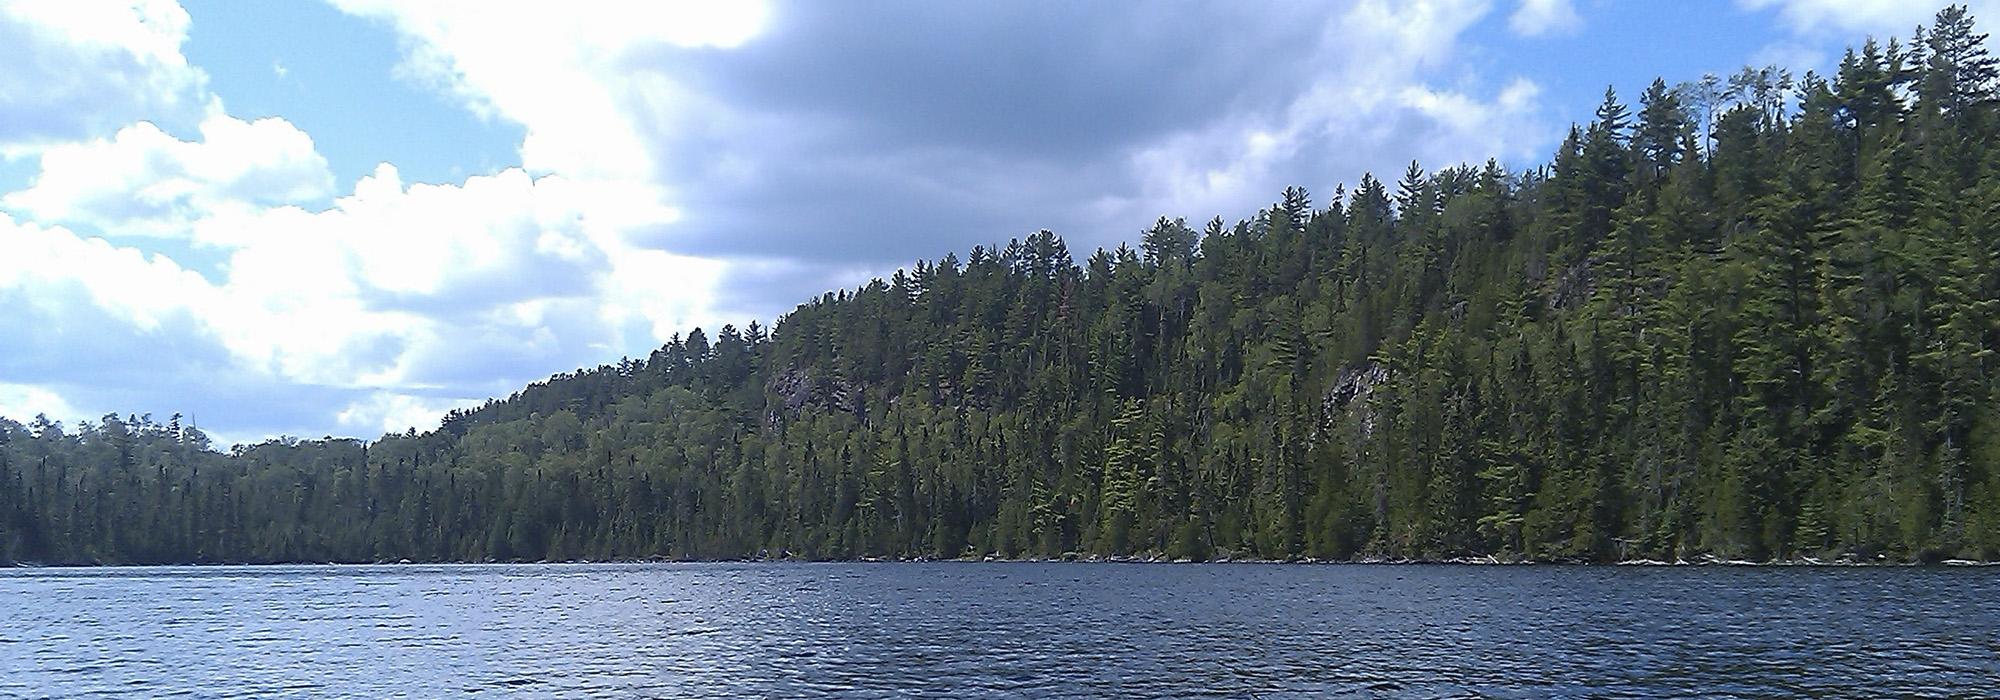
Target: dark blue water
x=1023, y=630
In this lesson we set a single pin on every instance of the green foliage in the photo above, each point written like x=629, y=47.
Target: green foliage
x=1753, y=320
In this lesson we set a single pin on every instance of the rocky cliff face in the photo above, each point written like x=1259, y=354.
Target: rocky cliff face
x=796, y=389
x=1350, y=393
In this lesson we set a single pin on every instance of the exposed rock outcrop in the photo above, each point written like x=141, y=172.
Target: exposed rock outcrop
x=797, y=389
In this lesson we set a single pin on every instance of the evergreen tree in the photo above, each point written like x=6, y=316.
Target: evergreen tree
x=1756, y=320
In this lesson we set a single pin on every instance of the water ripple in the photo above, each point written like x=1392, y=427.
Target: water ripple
x=1029, y=630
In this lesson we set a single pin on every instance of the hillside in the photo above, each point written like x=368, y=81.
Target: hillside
x=1751, y=318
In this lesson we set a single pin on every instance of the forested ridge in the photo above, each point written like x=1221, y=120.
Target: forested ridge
x=1742, y=318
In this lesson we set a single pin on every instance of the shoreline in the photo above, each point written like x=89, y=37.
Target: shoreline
x=1701, y=562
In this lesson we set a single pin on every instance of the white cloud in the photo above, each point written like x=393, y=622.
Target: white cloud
x=145, y=182
x=1813, y=22
x=417, y=267
x=1544, y=17
x=393, y=288
x=1879, y=18
x=142, y=290
x=24, y=401
x=394, y=413
x=1374, y=111
x=599, y=110
x=1792, y=55
x=585, y=111
x=415, y=297
x=79, y=68
x=405, y=300
x=1467, y=118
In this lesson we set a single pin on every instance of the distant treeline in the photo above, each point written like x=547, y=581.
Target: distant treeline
x=1751, y=317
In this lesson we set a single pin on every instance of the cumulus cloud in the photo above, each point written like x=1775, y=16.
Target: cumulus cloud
x=812, y=140
x=385, y=306
x=583, y=109
x=682, y=164
x=406, y=298
x=139, y=289
x=378, y=309
x=102, y=327
x=81, y=68
x=145, y=182
x=1543, y=17
x=435, y=271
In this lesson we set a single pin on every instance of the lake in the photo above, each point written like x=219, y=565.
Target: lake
x=1013, y=629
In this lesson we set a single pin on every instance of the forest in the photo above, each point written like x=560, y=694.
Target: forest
x=1747, y=317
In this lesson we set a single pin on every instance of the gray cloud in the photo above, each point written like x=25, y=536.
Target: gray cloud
x=885, y=132
x=102, y=363
x=1053, y=81
x=860, y=138
x=841, y=143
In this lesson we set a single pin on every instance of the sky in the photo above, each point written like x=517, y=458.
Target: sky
x=347, y=218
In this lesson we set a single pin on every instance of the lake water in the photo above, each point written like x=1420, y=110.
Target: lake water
x=967, y=630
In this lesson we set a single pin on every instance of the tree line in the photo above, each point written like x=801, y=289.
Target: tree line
x=1746, y=318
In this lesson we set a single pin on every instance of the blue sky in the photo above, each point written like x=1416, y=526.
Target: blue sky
x=334, y=76
x=346, y=218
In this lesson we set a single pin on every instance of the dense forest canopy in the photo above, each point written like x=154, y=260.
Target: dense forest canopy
x=1751, y=317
